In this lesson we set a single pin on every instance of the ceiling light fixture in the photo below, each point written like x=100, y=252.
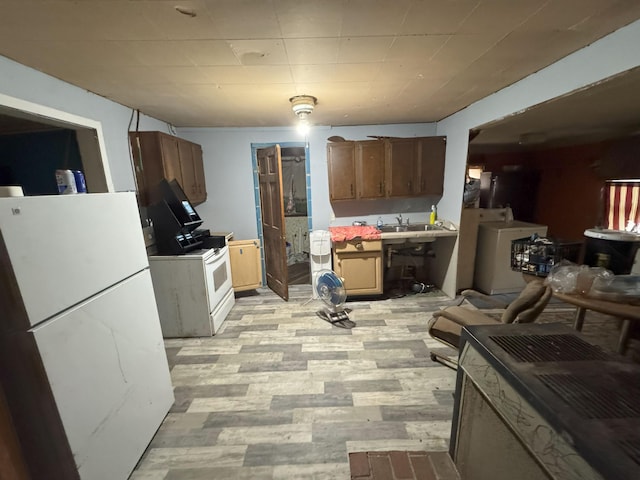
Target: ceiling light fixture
x=302, y=106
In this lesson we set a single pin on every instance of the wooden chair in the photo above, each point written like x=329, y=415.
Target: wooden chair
x=446, y=324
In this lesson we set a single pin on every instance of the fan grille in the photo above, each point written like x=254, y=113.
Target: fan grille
x=330, y=289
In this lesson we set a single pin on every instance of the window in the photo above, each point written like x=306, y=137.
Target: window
x=622, y=198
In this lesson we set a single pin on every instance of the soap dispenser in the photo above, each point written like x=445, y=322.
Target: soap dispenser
x=434, y=215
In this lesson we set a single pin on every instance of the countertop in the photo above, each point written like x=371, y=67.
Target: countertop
x=344, y=233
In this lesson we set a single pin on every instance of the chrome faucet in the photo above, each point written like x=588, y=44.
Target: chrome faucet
x=399, y=219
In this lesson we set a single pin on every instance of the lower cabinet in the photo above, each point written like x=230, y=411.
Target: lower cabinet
x=359, y=264
x=246, y=265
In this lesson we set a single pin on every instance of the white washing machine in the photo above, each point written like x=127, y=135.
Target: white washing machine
x=493, y=274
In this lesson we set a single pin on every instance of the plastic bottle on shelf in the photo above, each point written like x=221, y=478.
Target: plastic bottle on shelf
x=433, y=216
x=380, y=223
x=66, y=182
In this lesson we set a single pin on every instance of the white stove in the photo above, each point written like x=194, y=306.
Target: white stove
x=193, y=292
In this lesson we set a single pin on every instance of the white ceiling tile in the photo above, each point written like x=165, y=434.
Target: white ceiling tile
x=313, y=73
x=311, y=51
x=405, y=72
x=209, y=52
x=309, y=18
x=499, y=16
x=243, y=19
x=561, y=15
x=415, y=47
x=437, y=17
x=138, y=75
x=153, y=52
x=460, y=51
x=248, y=75
x=608, y=18
x=364, y=50
x=342, y=72
x=259, y=52
x=374, y=17
x=174, y=25
x=184, y=75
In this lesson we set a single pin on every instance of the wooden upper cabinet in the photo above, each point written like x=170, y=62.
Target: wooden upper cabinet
x=158, y=156
x=188, y=183
x=198, y=167
x=431, y=155
x=370, y=169
x=170, y=151
x=395, y=167
x=342, y=170
x=192, y=168
x=401, y=167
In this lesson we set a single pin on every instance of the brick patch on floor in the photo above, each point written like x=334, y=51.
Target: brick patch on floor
x=402, y=465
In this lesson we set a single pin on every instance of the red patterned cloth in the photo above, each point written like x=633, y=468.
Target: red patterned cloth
x=341, y=234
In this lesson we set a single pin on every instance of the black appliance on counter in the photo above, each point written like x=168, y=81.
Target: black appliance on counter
x=174, y=220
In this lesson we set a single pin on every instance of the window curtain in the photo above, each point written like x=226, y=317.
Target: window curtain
x=621, y=204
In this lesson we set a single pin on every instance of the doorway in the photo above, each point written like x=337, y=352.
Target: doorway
x=296, y=214
x=296, y=201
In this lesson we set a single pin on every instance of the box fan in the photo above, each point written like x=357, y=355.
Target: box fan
x=331, y=291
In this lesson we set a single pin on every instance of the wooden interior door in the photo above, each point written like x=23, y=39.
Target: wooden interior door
x=273, y=227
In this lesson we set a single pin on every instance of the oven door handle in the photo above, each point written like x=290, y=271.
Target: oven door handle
x=217, y=258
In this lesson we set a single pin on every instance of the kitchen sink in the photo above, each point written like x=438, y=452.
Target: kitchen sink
x=394, y=228
x=414, y=227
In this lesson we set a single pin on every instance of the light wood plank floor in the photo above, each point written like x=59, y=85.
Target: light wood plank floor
x=281, y=394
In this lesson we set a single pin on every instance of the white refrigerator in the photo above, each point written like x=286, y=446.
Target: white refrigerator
x=82, y=360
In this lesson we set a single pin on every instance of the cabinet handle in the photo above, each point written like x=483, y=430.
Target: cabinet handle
x=352, y=189
x=409, y=185
x=380, y=188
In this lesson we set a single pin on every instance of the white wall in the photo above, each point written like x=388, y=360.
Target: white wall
x=230, y=202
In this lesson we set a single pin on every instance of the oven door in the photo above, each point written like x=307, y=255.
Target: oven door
x=217, y=270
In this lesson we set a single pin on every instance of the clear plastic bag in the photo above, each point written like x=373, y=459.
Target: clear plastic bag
x=568, y=277
x=618, y=288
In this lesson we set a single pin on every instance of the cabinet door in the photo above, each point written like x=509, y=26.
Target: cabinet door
x=198, y=169
x=370, y=168
x=246, y=265
x=360, y=272
x=359, y=264
x=431, y=154
x=157, y=155
x=402, y=167
x=187, y=170
x=342, y=171
x=171, y=158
